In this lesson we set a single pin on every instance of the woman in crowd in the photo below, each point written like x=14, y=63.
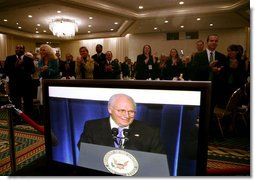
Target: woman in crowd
x=236, y=70
x=48, y=64
x=145, y=65
x=174, y=66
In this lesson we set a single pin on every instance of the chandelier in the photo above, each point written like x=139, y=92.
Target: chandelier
x=64, y=28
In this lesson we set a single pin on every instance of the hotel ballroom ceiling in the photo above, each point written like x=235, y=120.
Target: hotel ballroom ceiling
x=113, y=18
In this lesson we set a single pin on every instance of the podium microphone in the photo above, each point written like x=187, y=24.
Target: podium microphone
x=114, y=134
x=126, y=134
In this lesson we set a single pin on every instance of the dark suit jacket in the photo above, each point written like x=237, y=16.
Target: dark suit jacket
x=200, y=66
x=115, y=73
x=20, y=76
x=142, y=70
x=99, y=132
x=202, y=72
x=99, y=70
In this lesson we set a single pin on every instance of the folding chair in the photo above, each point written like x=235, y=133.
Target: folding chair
x=230, y=110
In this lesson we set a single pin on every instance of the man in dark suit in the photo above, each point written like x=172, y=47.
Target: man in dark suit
x=99, y=62
x=19, y=68
x=210, y=65
x=112, y=67
x=122, y=109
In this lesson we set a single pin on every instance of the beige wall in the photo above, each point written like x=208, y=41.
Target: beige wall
x=160, y=45
x=131, y=45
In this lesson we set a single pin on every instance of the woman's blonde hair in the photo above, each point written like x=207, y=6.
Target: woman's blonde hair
x=50, y=52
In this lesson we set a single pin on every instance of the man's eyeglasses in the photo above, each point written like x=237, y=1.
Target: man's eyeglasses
x=124, y=112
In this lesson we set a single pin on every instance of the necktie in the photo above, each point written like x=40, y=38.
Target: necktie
x=211, y=56
x=119, y=136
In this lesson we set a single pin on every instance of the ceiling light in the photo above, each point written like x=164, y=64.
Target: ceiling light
x=5, y=20
x=166, y=21
x=89, y=26
x=30, y=16
x=181, y=2
x=37, y=32
x=182, y=26
x=38, y=24
x=198, y=19
x=112, y=29
x=90, y=17
x=140, y=7
x=89, y=31
x=19, y=27
x=155, y=28
x=116, y=23
x=211, y=24
x=44, y=31
x=59, y=12
x=64, y=28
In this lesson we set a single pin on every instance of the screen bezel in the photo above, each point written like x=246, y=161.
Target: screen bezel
x=203, y=86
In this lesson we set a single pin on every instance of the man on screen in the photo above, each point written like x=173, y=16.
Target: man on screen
x=136, y=135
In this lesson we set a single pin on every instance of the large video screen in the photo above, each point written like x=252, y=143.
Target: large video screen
x=176, y=111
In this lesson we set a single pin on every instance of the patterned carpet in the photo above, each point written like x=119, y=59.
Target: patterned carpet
x=29, y=145
x=229, y=156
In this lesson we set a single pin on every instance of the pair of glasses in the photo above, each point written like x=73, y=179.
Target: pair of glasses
x=124, y=112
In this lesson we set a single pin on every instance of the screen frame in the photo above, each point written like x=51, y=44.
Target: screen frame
x=203, y=86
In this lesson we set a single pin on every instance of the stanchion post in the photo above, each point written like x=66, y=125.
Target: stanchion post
x=11, y=139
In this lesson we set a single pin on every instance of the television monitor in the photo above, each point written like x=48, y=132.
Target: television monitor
x=181, y=109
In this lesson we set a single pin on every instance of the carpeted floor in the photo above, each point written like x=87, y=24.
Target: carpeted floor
x=29, y=145
x=229, y=156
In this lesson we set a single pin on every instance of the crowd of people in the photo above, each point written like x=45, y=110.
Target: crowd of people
x=227, y=72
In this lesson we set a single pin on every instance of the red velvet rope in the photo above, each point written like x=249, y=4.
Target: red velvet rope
x=31, y=122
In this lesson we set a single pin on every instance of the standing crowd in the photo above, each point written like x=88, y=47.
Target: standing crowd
x=226, y=72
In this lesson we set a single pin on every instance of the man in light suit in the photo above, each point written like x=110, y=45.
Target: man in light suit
x=122, y=110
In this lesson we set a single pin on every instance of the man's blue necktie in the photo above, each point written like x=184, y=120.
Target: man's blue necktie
x=118, y=139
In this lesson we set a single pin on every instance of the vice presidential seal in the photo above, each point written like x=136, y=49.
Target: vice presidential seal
x=121, y=162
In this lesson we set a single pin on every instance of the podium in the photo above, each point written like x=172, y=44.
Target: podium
x=123, y=161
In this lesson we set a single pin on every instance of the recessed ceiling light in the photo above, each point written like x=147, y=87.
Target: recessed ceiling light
x=198, y=19
x=44, y=31
x=59, y=12
x=166, y=21
x=90, y=17
x=140, y=7
x=89, y=26
x=19, y=27
x=116, y=23
x=182, y=26
x=155, y=28
x=36, y=31
x=89, y=31
x=5, y=20
x=17, y=23
x=181, y=2
x=112, y=29
x=30, y=16
x=36, y=28
x=38, y=24
x=211, y=24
